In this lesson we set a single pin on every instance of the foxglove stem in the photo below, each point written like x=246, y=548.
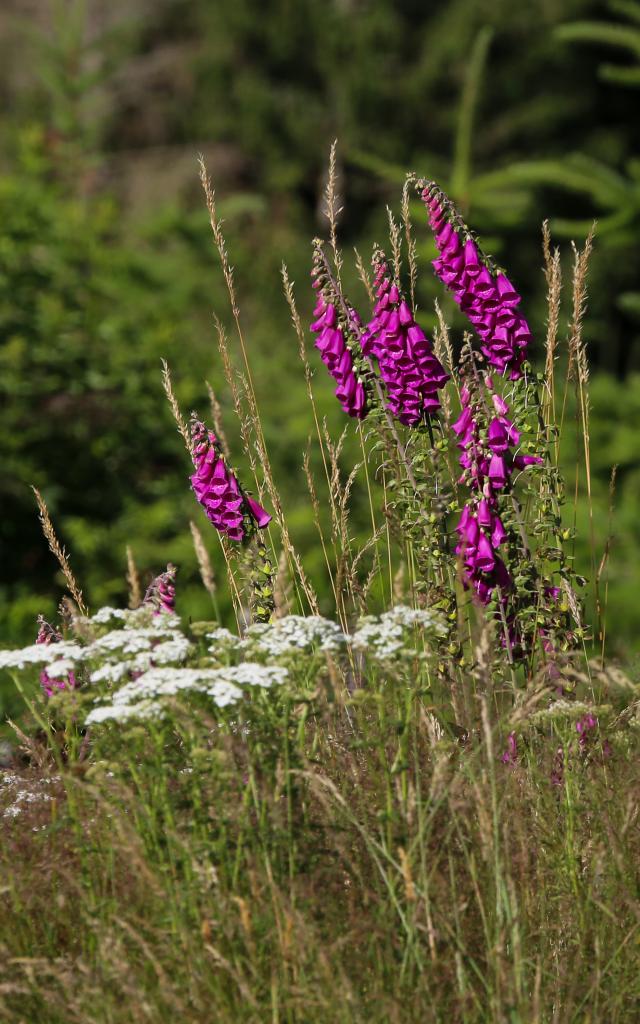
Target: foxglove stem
x=261, y=575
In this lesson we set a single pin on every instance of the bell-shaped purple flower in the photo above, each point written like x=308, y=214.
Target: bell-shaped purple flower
x=485, y=295
x=510, y=755
x=336, y=356
x=411, y=372
x=217, y=489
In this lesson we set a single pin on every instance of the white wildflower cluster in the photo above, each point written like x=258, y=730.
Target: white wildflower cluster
x=393, y=633
x=41, y=654
x=562, y=710
x=222, y=643
x=133, y=618
x=294, y=633
x=143, y=639
x=22, y=792
x=144, y=662
x=148, y=696
x=106, y=615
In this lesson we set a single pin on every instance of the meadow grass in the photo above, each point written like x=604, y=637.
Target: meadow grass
x=423, y=808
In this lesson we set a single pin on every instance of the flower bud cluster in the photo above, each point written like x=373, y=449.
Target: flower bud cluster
x=161, y=592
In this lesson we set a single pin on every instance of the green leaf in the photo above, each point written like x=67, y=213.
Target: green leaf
x=619, y=76
x=627, y=8
x=461, y=173
x=603, y=33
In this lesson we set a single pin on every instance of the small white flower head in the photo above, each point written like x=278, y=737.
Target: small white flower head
x=144, y=709
x=396, y=633
x=150, y=693
x=562, y=710
x=222, y=642
x=174, y=651
x=250, y=673
x=22, y=792
x=106, y=615
x=293, y=634
x=41, y=654
x=133, y=641
x=112, y=672
x=61, y=667
x=224, y=693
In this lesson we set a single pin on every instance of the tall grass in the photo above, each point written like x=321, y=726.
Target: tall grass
x=424, y=808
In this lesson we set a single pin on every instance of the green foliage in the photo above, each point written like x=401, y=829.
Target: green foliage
x=94, y=292
x=306, y=828
x=83, y=333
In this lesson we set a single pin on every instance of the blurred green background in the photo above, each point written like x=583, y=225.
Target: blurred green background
x=521, y=111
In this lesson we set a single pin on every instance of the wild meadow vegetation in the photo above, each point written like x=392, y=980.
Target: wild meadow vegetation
x=337, y=718
x=419, y=804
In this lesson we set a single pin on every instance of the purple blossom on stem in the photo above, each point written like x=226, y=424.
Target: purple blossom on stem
x=510, y=755
x=488, y=462
x=411, y=372
x=334, y=352
x=161, y=592
x=231, y=511
x=484, y=294
x=47, y=634
x=584, y=727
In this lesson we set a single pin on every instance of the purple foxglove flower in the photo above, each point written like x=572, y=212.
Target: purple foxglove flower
x=161, y=592
x=584, y=726
x=502, y=434
x=522, y=461
x=411, y=373
x=485, y=559
x=498, y=473
x=484, y=294
x=485, y=515
x=498, y=532
x=217, y=489
x=48, y=635
x=335, y=355
x=510, y=755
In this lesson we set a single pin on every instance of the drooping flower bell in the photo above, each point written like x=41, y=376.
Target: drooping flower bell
x=486, y=443
x=47, y=634
x=231, y=511
x=484, y=294
x=338, y=330
x=481, y=533
x=411, y=373
x=161, y=592
x=336, y=356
